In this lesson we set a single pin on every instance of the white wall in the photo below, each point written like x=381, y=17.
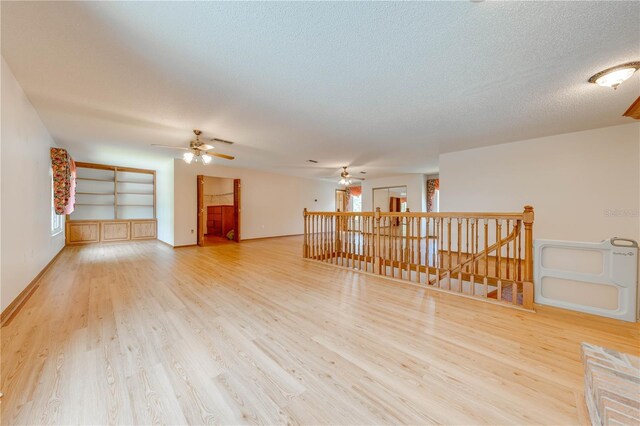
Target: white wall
x=414, y=182
x=26, y=243
x=271, y=204
x=583, y=186
x=165, y=200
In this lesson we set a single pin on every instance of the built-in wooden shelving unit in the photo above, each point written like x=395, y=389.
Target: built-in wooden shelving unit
x=112, y=204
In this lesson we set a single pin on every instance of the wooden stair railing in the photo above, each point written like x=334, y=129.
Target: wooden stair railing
x=453, y=252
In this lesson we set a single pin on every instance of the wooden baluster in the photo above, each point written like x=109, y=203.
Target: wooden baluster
x=390, y=240
x=409, y=243
x=394, y=244
x=342, y=226
x=474, y=244
x=376, y=241
x=513, y=267
x=330, y=237
x=449, y=263
x=499, y=256
x=459, y=260
x=419, y=249
x=438, y=249
x=336, y=239
x=353, y=242
x=340, y=239
x=329, y=219
x=351, y=249
x=507, y=260
x=486, y=256
x=359, y=241
x=347, y=240
x=477, y=226
x=324, y=238
x=427, y=249
x=313, y=236
x=369, y=229
x=319, y=237
x=367, y=245
x=327, y=240
x=467, y=252
x=520, y=252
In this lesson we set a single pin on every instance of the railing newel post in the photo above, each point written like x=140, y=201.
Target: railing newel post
x=527, y=285
x=305, y=244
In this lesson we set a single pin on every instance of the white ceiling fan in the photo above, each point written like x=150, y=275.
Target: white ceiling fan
x=198, y=150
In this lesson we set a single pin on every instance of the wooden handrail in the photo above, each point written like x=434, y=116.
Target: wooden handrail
x=453, y=252
x=490, y=249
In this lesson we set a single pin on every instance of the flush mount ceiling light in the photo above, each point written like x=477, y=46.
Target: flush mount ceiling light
x=614, y=76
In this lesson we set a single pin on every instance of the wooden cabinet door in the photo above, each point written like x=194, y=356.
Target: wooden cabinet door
x=143, y=229
x=83, y=232
x=115, y=231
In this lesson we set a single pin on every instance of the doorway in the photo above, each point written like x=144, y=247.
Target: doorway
x=341, y=200
x=218, y=210
x=390, y=199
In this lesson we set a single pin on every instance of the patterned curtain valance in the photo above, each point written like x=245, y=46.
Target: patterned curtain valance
x=63, y=181
x=432, y=186
x=355, y=190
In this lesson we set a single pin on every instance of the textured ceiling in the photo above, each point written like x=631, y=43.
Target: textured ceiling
x=384, y=87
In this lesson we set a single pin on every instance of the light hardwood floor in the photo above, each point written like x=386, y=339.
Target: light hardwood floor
x=141, y=333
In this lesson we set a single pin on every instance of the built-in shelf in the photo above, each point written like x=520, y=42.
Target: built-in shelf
x=135, y=193
x=96, y=193
x=95, y=179
x=138, y=203
x=140, y=183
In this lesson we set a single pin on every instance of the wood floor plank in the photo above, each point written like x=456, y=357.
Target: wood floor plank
x=250, y=333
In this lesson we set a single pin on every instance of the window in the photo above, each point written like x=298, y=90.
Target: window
x=356, y=202
x=56, y=220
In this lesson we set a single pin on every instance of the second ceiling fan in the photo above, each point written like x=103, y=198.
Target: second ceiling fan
x=346, y=178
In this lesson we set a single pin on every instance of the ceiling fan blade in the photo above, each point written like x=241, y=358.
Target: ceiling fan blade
x=204, y=147
x=222, y=141
x=226, y=157
x=172, y=147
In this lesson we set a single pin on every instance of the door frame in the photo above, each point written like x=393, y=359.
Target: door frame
x=200, y=207
x=343, y=197
x=237, y=210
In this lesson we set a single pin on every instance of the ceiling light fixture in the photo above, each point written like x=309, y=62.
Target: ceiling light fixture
x=196, y=157
x=614, y=76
